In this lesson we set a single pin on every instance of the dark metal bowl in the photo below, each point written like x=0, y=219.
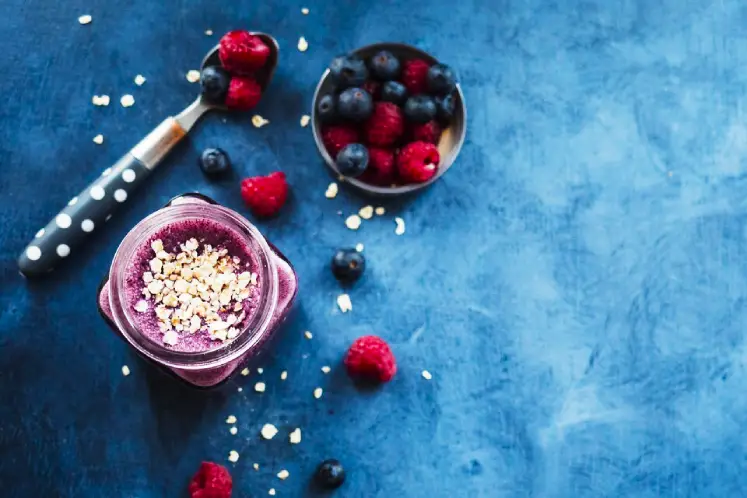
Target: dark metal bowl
x=451, y=139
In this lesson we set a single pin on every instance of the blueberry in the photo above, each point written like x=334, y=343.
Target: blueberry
x=330, y=474
x=420, y=109
x=445, y=109
x=352, y=160
x=347, y=71
x=394, y=92
x=441, y=79
x=355, y=104
x=326, y=109
x=214, y=83
x=348, y=265
x=214, y=162
x=384, y=66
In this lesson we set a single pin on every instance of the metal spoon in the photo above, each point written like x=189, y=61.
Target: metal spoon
x=95, y=205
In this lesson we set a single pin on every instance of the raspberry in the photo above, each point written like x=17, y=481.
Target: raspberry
x=369, y=357
x=241, y=52
x=380, y=169
x=415, y=76
x=211, y=481
x=417, y=162
x=265, y=195
x=336, y=137
x=243, y=93
x=373, y=88
x=385, y=126
x=429, y=132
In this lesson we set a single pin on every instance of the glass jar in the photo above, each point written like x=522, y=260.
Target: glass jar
x=208, y=368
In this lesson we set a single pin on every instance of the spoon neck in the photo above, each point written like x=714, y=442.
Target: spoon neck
x=189, y=116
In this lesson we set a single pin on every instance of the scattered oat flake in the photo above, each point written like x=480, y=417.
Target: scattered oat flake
x=305, y=120
x=139, y=80
x=268, y=431
x=98, y=139
x=125, y=370
x=260, y=370
x=271, y=492
x=332, y=190
x=303, y=45
x=258, y=121
x=85, y=19
x=366, y=212
x=326, y=369
x=100, y=100
x=283, y=474
x=233, y=430
x=353, y=222
x=193, y=76
x=305, y=11
x=127, y=100
x=256, y=466
x=359, y=247
x=209, y=32
x=233, y=456
x=240, y=389
x=259, y=387
x=379, y=211
x=295, y=436
x=231, y=419
x=427, y=375
x=318, y=392
x=344, y=303
x=283, y=375
x=400, y=226
x=245, y=372
x=308, y=334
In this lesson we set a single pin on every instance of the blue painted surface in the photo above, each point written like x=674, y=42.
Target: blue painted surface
x=585, y=336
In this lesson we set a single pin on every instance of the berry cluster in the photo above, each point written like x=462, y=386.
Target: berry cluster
x=384, y=120
x=234, y=84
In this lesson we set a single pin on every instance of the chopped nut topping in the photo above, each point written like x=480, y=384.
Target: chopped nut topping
x=268, y=431
x=295, y=436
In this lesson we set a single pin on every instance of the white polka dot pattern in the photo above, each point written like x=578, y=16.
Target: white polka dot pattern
x=33, y=253
x=63, y=250
x=63, y=220
x=40, y=233
x=120, y=195
x=128, y=175
x=97, y=193
x=87, y=226
x=73, y=201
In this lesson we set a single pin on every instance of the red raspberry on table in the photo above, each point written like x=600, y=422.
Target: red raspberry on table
x=429, y=132
x=370, y=358
x=417, y=162
x=243, y=93
x=265, y=195
x=380, y=169
x=385, y=126
x=373, y=88
x=336, y=137
x=211, y=481
x=415, y=76
x=242, y=52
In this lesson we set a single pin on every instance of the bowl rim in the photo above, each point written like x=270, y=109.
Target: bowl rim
x=446, y=162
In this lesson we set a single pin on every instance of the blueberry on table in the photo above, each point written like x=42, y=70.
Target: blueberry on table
x=330, y=474
x=420, y=109
x=441, y=79
x=394, y=92
x=355, y=104
x=326, y=109
x=384, y=66
x=214, y=83
x=352, y=160
x=348, y=265
x=347, y=71
x=445, y=109
x=214, y=162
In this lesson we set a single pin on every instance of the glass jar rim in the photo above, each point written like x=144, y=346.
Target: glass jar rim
x=249, y=335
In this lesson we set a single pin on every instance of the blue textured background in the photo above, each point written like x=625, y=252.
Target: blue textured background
x=575, y=284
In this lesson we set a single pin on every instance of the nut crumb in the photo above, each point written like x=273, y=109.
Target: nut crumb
x=233, y=456
x=209, y=32
x=305, y=11
x=326, y=369
x=400, y=229
x=233, y=430
x=283, y=375
x=308, y=334
x=139, y=80
x=344, y=303
x=259, y=387
x=268, y=431
x=318, y=392
x=366, y=212
x=100, y=100
x=332, y=190
x=125, y=370
x=127, y=100
x=353, y=222
x=85, y=19
x=295, y=436
x=193, y=76
x=379, y=211
x=303, y=45
x=245, y=372
x=427, y=375
x=258, y=121
x=98, y=139
x=359, y=247
x=283, y=475
x=305, y=120
x=231, y=419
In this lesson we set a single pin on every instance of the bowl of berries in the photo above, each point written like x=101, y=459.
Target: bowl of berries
x=388, y=118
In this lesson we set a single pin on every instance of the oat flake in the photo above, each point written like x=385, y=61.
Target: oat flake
x=283, y=475
x=318, y=392
x=303, y=45
x=305, y=11
x=231, y=419
x=353, y=222
x=343, y=301
x=268, y=431
x=332, y=190
x=366, y=212
x=283, y=375
x=98, y=139
x=193, y=76
x=305, y=120
x=295, y=436
x=127, y=100
x=259, y=387
x=139, y=80
x=326, y=369
x=125, y=370
x=359, y=247
x=233, y=456
x=258, y=121
x=85, y=19
x=427, y=375
x=400, y=229
x=379, y=211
